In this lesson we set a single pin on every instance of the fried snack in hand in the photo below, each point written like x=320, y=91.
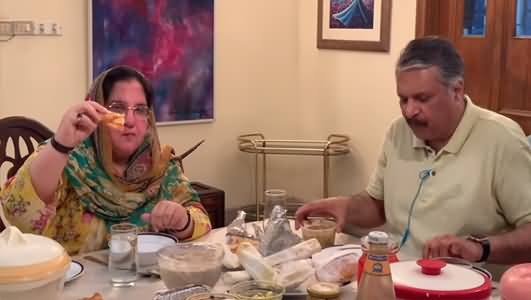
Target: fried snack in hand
x=96, y=296
x=114, y=120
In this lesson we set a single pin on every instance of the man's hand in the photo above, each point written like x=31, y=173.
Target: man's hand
x=336, y=207
x=453, y=246
x=166, y=215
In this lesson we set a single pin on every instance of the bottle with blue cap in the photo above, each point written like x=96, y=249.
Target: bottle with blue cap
x=376, y=282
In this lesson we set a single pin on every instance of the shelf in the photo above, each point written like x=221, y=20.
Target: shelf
x=256, y=143
x=335, y=144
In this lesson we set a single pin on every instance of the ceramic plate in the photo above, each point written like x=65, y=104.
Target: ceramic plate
x=75, y=271
x=148, y=246
x=153, y=242
x=295, y=293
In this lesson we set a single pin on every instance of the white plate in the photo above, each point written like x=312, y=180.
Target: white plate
x=153, y=242
x=75, y=270
x=304, y=293
x=149, y=244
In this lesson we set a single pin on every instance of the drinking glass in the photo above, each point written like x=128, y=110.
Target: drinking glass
x=273, y=197
x=123, y=254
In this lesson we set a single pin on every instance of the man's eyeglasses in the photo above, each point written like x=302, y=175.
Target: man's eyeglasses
x=139, y=111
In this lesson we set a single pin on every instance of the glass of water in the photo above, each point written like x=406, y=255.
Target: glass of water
x=123, y=254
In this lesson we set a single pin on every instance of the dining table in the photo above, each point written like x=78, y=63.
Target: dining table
x=96, y=278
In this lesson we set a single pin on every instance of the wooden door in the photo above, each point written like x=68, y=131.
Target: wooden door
x=514, y=98
x=497, y=64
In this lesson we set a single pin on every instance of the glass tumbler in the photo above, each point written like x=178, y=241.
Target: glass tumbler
x=123, y=254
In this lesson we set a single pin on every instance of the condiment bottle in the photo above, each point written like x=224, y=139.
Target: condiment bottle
x=376, y=282
x=393, y=255
x=323, y=291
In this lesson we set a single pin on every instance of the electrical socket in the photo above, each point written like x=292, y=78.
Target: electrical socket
x=6, y=28
x=23, y=27
x=47, y=28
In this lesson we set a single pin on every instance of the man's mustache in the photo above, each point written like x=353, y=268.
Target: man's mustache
x=416, y=123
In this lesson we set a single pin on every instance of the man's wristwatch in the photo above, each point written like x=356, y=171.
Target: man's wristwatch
x=483, y=240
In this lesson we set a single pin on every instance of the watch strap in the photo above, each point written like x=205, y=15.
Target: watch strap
x=485, y=245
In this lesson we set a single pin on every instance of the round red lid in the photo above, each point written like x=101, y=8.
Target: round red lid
x=415, y=280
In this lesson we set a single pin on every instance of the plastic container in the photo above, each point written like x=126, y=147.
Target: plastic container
x=31, y=266
x=191, y=263
x=212, y=296
x=434, y=279
x=323, y=291
x=516, y=283
x=321, y=229
x=257, y=290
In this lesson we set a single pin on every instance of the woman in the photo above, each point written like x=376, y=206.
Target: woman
x=93, y=174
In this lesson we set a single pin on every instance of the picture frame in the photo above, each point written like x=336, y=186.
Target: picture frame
x=363, y=25
x=170, y=42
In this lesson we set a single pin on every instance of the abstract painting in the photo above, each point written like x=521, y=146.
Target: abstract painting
x=354, y=24
x=171, y=42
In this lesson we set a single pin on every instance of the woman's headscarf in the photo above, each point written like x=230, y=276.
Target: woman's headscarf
x=152, y=173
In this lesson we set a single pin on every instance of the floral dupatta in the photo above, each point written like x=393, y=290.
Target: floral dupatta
x=152, y=173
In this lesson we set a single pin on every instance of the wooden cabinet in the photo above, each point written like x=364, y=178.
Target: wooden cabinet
x=213, y=200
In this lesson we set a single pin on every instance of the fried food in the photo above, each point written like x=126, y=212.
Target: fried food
x=114, y=120
x=96, y=296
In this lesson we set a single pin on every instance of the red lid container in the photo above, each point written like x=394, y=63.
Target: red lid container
x=434, y=279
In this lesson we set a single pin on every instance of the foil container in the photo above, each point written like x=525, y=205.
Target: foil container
x=181, y=293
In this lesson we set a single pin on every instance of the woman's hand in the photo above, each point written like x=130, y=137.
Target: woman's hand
x=167, y=215
x=79, y=122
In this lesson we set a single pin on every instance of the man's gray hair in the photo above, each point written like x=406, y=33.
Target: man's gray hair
x=431, y=51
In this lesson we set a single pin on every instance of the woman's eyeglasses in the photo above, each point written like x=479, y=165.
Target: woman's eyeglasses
x=139, y=111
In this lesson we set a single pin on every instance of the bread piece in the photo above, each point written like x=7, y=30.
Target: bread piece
x=114, y=120
x=96, y=296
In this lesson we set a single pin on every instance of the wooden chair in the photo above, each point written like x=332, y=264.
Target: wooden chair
x=17, y=131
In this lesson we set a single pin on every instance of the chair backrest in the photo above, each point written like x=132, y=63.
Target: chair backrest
x=15, y=131
x=19, y=130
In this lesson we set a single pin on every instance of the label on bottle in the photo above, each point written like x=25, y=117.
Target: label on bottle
x=377, y=265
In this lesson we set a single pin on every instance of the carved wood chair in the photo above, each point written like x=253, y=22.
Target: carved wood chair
x=20, y=135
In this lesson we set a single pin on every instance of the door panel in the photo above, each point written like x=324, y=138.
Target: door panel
x=514, y=98
x=497, y=65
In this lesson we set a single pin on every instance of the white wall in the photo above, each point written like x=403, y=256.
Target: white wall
x=255, y=74
x=351, y=92
x=269, y=77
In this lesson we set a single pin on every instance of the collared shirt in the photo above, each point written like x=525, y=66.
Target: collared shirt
x=482, y=181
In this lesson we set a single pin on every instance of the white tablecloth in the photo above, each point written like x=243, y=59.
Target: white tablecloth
x=97, y=279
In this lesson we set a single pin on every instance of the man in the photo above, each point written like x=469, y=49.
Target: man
x=453, y=179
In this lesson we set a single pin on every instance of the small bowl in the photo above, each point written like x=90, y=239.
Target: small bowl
x=257, y=290
x=190, y=263
x=323, y=230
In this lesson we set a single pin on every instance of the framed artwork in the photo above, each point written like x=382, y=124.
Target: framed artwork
x=354, y=24
x=170, y=42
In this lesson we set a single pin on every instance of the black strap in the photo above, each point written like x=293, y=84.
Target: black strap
x=188, y=221
x=485, y=244
x=60, y=147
